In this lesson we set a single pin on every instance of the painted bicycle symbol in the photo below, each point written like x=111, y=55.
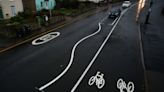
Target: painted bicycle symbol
x=98, y=79
x=123, y=87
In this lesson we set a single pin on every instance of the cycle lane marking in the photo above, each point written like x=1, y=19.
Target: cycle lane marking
x=99, y=50
x=98, y=79
x=71, y=59
x=122, y=85
x=92, y=61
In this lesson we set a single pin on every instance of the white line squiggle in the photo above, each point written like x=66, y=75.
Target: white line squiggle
x=71, y=60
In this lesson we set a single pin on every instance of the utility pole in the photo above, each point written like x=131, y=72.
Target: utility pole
x=51, y=10
x=47, y=6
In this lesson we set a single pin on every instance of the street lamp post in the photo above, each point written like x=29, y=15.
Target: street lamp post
x=51, y=10
x=148, y=16
x=48, y=8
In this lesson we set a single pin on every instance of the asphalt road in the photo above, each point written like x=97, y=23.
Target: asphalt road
x=27, y=66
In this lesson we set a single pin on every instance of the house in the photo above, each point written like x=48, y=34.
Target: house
x=37, y=5
x=10, y=8
x=45, y=4
x=1, y=14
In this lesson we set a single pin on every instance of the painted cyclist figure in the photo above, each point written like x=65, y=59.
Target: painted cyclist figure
x=98, y=79
x=129, y=87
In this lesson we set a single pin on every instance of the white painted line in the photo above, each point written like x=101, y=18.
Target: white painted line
x=71, y=60
x=98, y=52
x=98, y=79
x=92, y=61
x=122, y=86
x=113, y=22
x=103, y=20
x=45, y=38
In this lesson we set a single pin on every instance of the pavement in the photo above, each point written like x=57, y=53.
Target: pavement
x=153, y=45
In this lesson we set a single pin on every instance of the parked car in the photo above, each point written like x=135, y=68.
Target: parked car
x=114, y=13
x=126, y=4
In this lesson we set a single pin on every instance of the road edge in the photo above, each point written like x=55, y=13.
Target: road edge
x=142, y=58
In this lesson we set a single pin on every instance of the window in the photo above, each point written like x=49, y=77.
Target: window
x=13, y=10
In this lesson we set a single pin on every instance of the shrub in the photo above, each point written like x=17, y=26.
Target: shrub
x=16, y=19
x=25, y=14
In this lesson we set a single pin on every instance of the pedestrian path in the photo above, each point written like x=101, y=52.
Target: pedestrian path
x=153, y=44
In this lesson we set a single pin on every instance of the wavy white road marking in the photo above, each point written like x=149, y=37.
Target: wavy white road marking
x=71, y=60
x=98, y=52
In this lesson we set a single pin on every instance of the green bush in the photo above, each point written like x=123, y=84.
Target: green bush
x=63, y=11
x=26, y=14
x=16, y=19
x=2, y=25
